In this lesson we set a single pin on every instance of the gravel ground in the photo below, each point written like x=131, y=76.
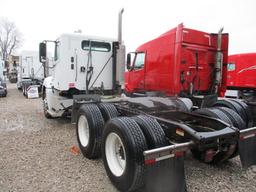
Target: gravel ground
x=35, y=155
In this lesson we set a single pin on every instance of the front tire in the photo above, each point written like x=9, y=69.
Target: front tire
x=45, y=107
x=122, y=151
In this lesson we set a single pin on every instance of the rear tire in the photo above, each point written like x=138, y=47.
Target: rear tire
x=236, y=119
x=222, y=155
x=122, y=151
x=247, y=111
x=108, y=111
x=185, y=103
x=23, y=90
x=152, y=131
x=232, y=105
x=238, y=122
x=214, y=112
x=89, y=128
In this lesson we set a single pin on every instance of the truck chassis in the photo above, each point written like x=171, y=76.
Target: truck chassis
x=143, y=140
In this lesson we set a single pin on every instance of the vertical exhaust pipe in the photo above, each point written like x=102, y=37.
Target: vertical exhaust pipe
x=220, y=38
x=219, y=61
x=119, y=58
x=120, y=24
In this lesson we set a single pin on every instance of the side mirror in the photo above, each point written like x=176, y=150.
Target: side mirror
x=128, y=61
x=42, y=52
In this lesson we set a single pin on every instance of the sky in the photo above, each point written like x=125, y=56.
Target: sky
x=143, y=20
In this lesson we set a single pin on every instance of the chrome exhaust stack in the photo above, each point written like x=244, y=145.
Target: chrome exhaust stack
x=219, y=61
x=120, y=19
x=120, y=55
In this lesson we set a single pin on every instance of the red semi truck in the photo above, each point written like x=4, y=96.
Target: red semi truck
x=241, y=79
x=143, y=140
x=181, y=62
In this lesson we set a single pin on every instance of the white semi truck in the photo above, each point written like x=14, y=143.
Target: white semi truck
x=82, y=65
x=3, y=88
x=30, y=71
x=1, y=68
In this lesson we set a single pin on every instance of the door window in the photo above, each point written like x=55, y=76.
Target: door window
x=231, y=66
x=139, y=61
x=96, y=46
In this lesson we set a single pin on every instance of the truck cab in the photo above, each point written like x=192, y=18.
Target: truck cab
x=180, y=62
x=80, y=57
x=82, y=65
x=30, y=70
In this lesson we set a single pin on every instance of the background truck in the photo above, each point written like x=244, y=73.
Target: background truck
x=182, y=62
x=187, y=63
x=143, y=139
x=12, y=75
x=30, y=71
x=3, y=87
x=241, y=79
x=11, y=65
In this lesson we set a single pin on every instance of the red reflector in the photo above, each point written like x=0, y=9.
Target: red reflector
x=209, y=155
x=247, y=136
x=179, y=154
x=71, y=85
x=180, y=132
x=150, y=161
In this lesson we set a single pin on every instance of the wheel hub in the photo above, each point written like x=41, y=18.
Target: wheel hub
x=83, y=131
x=115, y=154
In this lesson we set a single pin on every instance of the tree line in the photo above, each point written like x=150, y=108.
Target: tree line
x=10, y=38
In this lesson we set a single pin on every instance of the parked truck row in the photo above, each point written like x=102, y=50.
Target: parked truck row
x=31, y=72
x=175, y=86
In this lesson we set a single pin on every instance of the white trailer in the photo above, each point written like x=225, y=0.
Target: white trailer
x=30, y=71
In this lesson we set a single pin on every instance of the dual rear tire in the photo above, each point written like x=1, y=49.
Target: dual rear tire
x=238, y=106
x=122, y=151
x=121, y=142
x=125, y=164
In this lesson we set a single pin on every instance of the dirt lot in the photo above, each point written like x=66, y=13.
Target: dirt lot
x=35, y=155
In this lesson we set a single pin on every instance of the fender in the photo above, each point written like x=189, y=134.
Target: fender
x=48, y=82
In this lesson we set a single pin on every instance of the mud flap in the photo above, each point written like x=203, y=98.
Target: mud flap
x=247, y=148
x=166, y=176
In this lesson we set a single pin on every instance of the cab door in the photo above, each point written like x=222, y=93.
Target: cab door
x=135, y=77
